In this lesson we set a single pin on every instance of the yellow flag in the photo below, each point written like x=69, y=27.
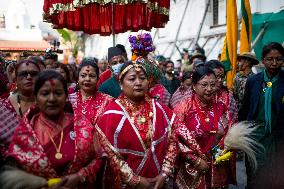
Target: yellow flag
x=246, y=30
x=229, y=52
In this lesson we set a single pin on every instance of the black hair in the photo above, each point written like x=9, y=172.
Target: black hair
x=66, y=70
x=201, y=72
x=25, y=61
x=37, y=60
x=186, y=75
x=214, y=64
x=96, y=60
x=48, y=75
x=169, y=62
x=272, y=46
x=88, y=62
x=125, y=65
x=73, y=71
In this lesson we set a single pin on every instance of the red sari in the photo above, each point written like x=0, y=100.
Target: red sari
x=209, y=126
x=143, y=147
x=92, y=107
x=34, y=152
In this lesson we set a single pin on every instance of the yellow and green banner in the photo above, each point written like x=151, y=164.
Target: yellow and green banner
x=229, y=52
x=246, y=29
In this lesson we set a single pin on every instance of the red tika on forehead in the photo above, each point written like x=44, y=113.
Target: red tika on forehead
x=51, y=81
x=88, y=69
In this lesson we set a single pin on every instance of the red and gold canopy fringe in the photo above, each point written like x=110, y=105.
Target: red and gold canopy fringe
x=95, y=16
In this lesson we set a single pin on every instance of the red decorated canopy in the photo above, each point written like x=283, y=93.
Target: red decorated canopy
x=95, y=16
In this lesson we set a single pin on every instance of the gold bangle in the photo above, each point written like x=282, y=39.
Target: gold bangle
x=197, y=163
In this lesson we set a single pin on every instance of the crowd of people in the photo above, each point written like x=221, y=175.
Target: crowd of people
x=136, y=123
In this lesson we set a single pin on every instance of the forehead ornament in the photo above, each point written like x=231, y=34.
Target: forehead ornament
x=137, y=68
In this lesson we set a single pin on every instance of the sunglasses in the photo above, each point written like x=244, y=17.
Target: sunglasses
x=24, y=74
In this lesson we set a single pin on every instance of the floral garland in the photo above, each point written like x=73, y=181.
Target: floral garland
x=141, y=45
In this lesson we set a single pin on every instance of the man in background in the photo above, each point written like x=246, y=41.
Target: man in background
x=246, y=61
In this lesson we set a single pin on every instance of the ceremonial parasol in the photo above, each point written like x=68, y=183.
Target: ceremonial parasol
x=106, y=17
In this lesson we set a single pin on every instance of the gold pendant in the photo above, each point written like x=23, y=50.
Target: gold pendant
x=269, y=84
x=207, y=120
x=141, y=119
x=58, y=155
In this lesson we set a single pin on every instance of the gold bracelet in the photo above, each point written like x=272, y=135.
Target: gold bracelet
x=197, y=163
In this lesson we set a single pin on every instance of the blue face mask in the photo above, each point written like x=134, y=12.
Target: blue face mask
x=116, y=68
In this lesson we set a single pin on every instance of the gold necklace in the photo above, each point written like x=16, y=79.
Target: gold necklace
x=58, y=154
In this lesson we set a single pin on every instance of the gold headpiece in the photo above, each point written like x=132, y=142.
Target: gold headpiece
x=136, y=66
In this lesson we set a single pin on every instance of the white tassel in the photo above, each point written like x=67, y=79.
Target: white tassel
x=17, y=179
x=240, y=137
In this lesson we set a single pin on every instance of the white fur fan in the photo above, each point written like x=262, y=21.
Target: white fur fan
x=240, y=137
x=12, y=178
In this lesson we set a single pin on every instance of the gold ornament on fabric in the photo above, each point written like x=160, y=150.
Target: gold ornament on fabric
x=207, y=120
x=269, y=84
x=72, y=6
x=58, y=155
x=141, y=120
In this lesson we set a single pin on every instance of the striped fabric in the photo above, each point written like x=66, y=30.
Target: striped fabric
x=179, y=96
x=229, y=52
x=9, y=121
x=246, y=30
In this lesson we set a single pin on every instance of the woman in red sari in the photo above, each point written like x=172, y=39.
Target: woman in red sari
x=51, y=143
x=88, y=101
x=209, y=119
x=223, y=94
x=141, y=135
x=183, y=91
x=13, y=107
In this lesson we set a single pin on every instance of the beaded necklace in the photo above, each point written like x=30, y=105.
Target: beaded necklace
x=141, y=115
x=204, y=117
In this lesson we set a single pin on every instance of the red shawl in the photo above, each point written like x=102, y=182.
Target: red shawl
x=160, y=93
x=126, y=149
x=103, y=77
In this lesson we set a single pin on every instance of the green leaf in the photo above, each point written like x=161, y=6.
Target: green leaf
x=65, y=34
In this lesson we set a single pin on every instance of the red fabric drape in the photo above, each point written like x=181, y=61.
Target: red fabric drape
x=97, y=18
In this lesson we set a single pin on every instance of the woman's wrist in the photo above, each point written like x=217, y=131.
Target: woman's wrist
x=82, y=178
x=197, y=162
x=134, y=181
x=166, y=177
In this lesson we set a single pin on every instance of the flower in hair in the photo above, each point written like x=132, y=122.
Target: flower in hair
x=141, y=45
